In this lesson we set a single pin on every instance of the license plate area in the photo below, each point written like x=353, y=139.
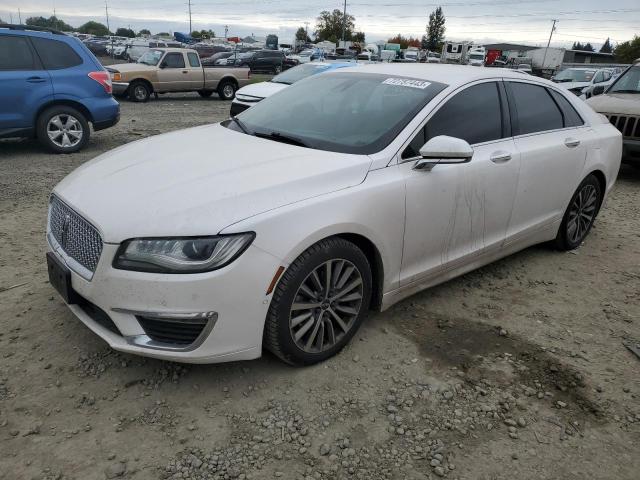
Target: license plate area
x=60, y=278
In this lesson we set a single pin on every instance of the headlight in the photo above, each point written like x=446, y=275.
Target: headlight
x=181, y=255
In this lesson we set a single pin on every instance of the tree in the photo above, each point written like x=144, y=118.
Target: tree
x=435, y=30
x=301, y=35
x=606, y=47
x=583, y=47
x=329, y=26
x=588, y=47
x=125, y=32
x=358, y=37
x=51, y=22
x=94, y=28
x=144, y=31
x=629, y=51
x=405, y=41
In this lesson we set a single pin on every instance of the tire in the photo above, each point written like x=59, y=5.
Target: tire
x=580, y=214
x=139, y=92
x=314, y=334
x=227, y=90
x=277, y=69
x=73, y=128
x=205, y=93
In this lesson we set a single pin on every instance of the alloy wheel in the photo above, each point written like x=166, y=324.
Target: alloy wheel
x=140, y=92
x=326, y=305
x=582, y=213
x=228, y=91
x=64, y=130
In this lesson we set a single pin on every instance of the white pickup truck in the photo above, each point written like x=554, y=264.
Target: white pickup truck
x=165, y=70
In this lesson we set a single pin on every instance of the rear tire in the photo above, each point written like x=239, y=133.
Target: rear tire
x=62, y=129
x=319, y=303
x=226, y=90
x=580, y=214
x=139, y=92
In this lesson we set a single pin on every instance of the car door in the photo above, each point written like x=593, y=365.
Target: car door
x=173, y=74
x=196, y=74
x=456, y=212
x=551, y=142
x=24, y=84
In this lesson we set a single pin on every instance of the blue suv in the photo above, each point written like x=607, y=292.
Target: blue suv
x=51, y=88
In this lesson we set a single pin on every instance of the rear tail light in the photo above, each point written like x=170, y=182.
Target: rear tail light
x=103, y=79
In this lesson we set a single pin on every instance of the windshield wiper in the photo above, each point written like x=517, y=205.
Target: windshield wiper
x=241, y=124
x=279, y=137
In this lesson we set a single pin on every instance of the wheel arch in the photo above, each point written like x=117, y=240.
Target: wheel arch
x=67, y=103
x=602, y=181
x=142, y=80
x=228, y=78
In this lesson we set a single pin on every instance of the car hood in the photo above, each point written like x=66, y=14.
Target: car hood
x=572, y=85
x=199, y=181
x=131, y=67
x=619, y=103
x=261, y=89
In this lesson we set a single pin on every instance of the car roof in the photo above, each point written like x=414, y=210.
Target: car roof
x=6, y=28
x=453, y=75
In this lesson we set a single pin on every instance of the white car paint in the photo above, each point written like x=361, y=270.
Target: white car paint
x=427, y=226
x=255, y=92
x=600, y=77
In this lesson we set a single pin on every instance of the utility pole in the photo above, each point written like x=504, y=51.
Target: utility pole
x=553, y=29
x=344, y=23
x=226, y=31
x=19, y=17
x=106, y=11
x=190, y=27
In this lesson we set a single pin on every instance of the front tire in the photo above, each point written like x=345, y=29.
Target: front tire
x=319, y=303
x=277, y=69
x=580, y=214
x=62, y=129
x=139, y=92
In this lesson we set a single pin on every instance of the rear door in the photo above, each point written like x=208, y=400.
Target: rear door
x=24, y=85
x=66, y=69
x=458, y=211
x=173, y=75
x=551, y=137
x=196, y=74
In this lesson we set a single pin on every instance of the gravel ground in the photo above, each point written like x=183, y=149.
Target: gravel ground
x=517, y=370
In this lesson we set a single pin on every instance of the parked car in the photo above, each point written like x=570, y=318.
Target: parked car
x=219, y=58
x=206, y=50
x=270, y=61
x=524, y=68
x=164, y=70
x=620, y=103
x=255, y=92
x=345, y=192
x=577, y=79
x=138, y=47
x=53, y=88
x=97, y=45
x=310, y=55
x=433, y=57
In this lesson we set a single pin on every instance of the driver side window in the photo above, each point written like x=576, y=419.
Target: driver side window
x=474, y=115
x=174, y=60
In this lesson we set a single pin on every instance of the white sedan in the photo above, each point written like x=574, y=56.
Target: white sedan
x=345, y=192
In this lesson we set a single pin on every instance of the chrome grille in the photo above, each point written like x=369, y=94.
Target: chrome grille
x=76, y=236
x=628, y=125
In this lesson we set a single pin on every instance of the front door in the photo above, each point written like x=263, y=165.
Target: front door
x=173, y=75
x=456, y=212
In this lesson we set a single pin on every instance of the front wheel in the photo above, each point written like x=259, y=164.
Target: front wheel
x=319, y=303
x=62, y=129
x=277, y=69
x=580, y=214
x=139, y=92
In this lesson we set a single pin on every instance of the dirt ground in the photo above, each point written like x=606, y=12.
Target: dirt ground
x=517, y=370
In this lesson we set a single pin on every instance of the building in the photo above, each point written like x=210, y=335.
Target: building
x=580, y=56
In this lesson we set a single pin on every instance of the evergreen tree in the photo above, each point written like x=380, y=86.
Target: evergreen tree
x=435, y=30
x=606, y=47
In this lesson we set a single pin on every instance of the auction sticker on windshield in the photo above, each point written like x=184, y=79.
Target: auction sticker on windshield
x=406, y=82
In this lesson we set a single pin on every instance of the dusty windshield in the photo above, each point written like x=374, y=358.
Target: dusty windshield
x=340, y=112
x=574, y=75
x=151, y=57
x=298, y=73
x=629, y=82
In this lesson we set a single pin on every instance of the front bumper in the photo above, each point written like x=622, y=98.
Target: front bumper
x=235, y=296
x=630, y=150
x=120, y=88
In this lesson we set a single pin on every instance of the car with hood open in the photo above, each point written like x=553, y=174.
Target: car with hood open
x=279, y=229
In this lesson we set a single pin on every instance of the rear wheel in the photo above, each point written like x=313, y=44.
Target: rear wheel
x=226, y=90
x=62, y=129
x=580, y=214
x=139, y=92
x=319, y=303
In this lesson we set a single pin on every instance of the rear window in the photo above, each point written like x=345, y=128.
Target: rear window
x=536, y=110
x=15, y=54
x=56, y=55
x=569, y=114
x=194, y=60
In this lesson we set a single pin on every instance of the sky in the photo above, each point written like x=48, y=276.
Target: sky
x=480, y=21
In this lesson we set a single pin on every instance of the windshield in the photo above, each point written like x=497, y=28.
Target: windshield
x=628, y=82
x=476, y=56
x=298, y=73
x=343, y=112
x=151, y=57
x=575, y=75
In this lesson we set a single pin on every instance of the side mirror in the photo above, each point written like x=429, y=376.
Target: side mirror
x=163, y=64
x=598, y=90
x=442, y=150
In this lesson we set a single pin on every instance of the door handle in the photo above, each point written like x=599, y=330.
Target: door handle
x=36, y=80
x=571, y=142
x=500, y=157
x=184, y=71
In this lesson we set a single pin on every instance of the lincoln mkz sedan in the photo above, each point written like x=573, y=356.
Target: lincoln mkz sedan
x=344, y=192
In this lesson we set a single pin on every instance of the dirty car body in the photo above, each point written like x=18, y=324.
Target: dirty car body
x=428, y=171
